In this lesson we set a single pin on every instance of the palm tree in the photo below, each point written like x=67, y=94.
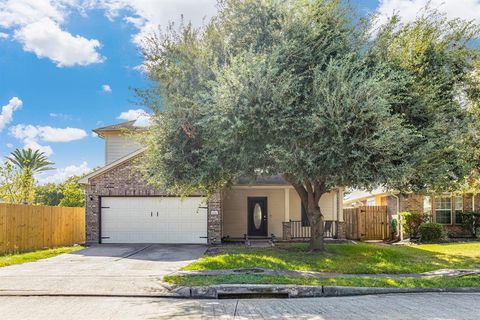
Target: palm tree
x=31, y=161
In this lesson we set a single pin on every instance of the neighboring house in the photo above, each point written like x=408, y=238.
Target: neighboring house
x=122, y=208
x=443, y=208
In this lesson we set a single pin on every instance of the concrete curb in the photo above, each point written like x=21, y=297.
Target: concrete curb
x=233, y=291
x=294, y=291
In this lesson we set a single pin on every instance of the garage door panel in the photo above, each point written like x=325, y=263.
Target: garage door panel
x=135, y=220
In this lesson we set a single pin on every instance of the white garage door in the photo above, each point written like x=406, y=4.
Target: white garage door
x=153, y=220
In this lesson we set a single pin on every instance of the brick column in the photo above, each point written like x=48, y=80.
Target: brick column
x=214, y=219
x=287, y=230
x=92, y=212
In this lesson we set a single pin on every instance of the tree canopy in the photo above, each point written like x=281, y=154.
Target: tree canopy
x=300, y=88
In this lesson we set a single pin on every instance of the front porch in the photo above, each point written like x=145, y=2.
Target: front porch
x=275, y=212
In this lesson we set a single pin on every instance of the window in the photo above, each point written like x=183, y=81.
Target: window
x=458, y=207
x=443, y=209
x=371, y=202
x=427, y=205
x=305, y=222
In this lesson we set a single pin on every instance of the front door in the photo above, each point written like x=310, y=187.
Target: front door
x=257, y=217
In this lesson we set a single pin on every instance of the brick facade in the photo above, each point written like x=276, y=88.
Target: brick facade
x=414, y=203
x=125, y=180
x=411, y=202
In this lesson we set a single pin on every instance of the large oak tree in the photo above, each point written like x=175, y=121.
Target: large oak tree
x=299, y=88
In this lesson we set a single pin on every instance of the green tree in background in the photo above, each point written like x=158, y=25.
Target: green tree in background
x=67, y=194
x=49, y=194
x=29, y=163
x=438, y=95
x=11, y=184
x=73, y=193
x=300, y=88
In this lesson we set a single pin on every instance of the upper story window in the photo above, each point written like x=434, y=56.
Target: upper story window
x=370, y=201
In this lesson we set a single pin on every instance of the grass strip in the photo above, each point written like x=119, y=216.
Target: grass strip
x=18, y=258
x=436, y=282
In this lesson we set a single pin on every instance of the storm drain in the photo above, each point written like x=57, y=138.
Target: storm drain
x=253, y=295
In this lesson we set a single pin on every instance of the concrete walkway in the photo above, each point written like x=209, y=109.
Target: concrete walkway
x=391, y=307
x=101, y=270
x=313, y=274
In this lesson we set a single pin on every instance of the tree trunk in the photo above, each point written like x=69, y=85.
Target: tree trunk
x=316, y=230
x=310, y=193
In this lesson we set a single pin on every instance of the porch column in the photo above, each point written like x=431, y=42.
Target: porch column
x=287, y=204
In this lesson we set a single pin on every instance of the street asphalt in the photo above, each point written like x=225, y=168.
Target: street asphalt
x=437, y=306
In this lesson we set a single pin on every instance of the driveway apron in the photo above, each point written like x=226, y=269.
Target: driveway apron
x=107, y=269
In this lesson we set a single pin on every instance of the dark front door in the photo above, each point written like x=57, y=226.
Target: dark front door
x=257, y=217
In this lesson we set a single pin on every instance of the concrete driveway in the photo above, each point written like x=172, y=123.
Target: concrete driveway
x=133, y=269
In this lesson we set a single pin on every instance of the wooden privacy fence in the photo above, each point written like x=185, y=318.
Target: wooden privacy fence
x=367, y=223
x=26, y=227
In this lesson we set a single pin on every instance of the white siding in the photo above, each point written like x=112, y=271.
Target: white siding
x=118, y=146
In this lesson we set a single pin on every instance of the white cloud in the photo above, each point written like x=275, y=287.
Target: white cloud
x=62, y=116
x=9, y=145
x=31, y=136
x=408, y=10
x=146, y=15
x=106, y=88
x=37, y=25
x=62, y=174
x=6, y=114
x=132, y=114
x=4, y=35
x=45, y=38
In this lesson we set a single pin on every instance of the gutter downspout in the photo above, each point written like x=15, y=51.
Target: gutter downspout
x=399, y=216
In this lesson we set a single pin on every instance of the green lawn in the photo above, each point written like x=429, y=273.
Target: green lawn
x=17, y=258
x=341, y=258
x=437, y=282
x=347, y=258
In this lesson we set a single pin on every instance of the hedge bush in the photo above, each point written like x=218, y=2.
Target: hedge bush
x=431, y=231
x=471, y=222
x=411, y=222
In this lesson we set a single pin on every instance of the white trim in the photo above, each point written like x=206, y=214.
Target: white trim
x=287, y=204
x=85, y=180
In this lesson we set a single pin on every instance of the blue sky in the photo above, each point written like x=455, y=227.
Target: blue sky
x=68, y=66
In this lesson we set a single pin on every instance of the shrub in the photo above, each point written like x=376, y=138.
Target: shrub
x=393, y=226
x=471, y=222
x=412, y=222
x=431, y=231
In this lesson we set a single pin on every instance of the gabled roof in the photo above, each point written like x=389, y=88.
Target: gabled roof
x=127, y=126
x=85, y=179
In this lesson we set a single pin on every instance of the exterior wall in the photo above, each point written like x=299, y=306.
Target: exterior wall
x=235, y=208
x=411, y=202
x=118, y=145
x=125, y=180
